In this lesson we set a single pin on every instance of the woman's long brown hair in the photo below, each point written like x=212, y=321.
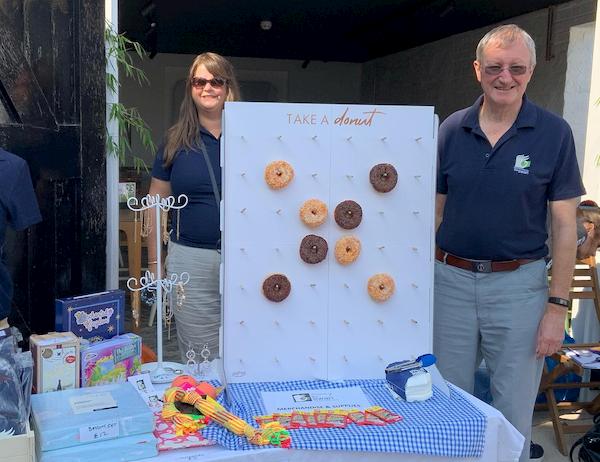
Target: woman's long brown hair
x=184, y=134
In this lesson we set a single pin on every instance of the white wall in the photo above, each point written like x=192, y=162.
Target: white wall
x=577, y=84
x=441, y=73
x=438, y=73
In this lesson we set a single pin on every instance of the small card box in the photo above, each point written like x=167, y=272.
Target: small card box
x=56, y=361
x=111, y=361
x=88, y=415
x=95, y=317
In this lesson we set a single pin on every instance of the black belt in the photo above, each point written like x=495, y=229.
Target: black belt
x=479, y=266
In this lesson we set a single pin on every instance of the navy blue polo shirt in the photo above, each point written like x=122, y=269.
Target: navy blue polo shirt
x=18, y=209
x=496, y=198
x=188, y=174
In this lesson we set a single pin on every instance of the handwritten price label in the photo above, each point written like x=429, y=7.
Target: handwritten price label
x=99, y=431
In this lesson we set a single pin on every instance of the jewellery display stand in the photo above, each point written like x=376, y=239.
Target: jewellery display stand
x=160, y=371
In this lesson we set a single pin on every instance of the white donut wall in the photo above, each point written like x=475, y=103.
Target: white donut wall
x=328, y=327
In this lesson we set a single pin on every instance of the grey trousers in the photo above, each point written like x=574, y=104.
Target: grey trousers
x=494, y=316
x=199, y=320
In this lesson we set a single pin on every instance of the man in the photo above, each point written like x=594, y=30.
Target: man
x=19, y=209
x=501, y=162
x=588, y=242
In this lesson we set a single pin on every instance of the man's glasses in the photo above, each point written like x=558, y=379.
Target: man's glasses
x=216, y=82
x=497, y=70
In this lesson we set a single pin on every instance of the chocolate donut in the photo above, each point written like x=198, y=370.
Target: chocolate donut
x=278, y=174
x=276, y=287
x=313, y=213
x=381, y=287
x=347, y=249
x=313, y=249
x=383, y=177
x=348, y=214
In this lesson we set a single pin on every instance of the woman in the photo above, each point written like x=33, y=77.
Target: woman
x=588, y=229
x=188, y=163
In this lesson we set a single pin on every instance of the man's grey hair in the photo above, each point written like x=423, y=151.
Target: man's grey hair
x=506, y=35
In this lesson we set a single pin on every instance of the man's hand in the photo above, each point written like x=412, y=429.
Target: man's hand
x=551, y=332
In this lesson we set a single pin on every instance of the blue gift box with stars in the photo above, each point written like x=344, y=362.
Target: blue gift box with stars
x=94, y=317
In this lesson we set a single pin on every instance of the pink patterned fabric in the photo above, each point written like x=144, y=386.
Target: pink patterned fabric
x=167, y=438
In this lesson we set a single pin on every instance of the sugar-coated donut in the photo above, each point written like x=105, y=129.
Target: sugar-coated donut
x=278, y=174
x=381, y=287
x=383, y=177
x=276, y=287
x=313, y=249
x=348, y=214
x=313, y=213
x=347, y=249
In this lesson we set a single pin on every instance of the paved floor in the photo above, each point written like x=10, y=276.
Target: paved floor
x=543, y=434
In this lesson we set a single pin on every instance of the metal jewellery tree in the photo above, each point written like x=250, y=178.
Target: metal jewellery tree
x=157, y=283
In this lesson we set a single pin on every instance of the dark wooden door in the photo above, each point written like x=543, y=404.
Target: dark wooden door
x=52, y=113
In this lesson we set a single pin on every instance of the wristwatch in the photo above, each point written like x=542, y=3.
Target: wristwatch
x=559, y=301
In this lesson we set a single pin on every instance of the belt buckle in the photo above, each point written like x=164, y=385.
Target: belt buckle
x=482, y=266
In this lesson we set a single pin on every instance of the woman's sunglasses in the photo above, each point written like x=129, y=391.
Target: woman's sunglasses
x=216, y=82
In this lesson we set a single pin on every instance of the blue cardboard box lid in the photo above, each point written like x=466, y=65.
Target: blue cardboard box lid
x=69, y=418
x=95, y=317
x=123, y=449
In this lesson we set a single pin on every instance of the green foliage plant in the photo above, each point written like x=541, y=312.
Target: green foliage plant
x=118, y=48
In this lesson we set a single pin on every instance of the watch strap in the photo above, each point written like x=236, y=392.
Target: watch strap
x=559, y=301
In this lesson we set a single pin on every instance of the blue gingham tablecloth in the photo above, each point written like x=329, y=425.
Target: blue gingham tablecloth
x=440, y=426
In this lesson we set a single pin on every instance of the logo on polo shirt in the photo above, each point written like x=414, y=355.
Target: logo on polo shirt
x=522, y=163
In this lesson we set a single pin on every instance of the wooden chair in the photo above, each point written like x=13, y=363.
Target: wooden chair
x=585, y=287
x=132, y=230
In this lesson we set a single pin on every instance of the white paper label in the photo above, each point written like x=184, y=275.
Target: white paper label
x=335, y=398
x=98, y=431
x=92, y=402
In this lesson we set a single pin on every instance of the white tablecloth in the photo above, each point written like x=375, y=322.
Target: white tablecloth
x=503, y=443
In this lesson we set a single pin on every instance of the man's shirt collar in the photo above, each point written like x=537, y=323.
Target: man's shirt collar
x=527, y=116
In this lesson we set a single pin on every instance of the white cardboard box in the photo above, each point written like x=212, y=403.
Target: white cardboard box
x=20, y=448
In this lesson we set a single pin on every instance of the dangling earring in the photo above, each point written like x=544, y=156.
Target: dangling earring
x=145, y=232
x=165, y=226
x=204, y=366
x=167, y=311
x=191, y=360
x=180, y=291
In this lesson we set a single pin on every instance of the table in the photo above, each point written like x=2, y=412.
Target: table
x=503, y=443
